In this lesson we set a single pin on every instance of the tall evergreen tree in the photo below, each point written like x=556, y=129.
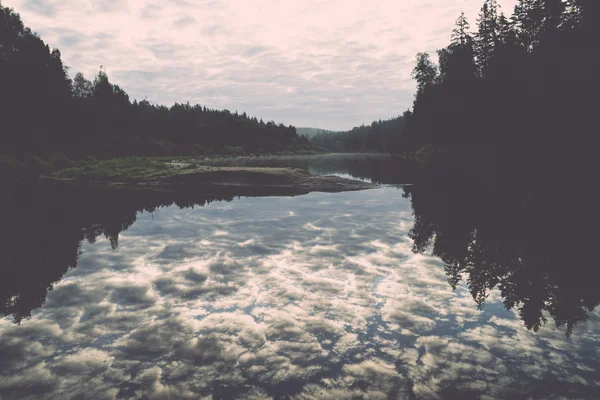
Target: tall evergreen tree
x=34, y=87
x=487, y=37
x=536, y=18
x=425, y=72
x=82, y=88
x=457, y=61
x=460, y=34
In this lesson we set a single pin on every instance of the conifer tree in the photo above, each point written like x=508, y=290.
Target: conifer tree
x=487, y=37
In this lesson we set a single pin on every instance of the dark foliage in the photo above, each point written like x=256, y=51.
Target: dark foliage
x=521, y=89
x=512, y=103
x=380, y=136
x=43, y=111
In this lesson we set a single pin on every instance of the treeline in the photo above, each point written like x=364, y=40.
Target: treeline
x=43, y=111
x=380, y=136
x=520, y=88
x=310, y=132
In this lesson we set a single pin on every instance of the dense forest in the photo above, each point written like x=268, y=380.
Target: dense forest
x=516, y=88
x=514, y=101
x=380, y=136
x=519, y=90
x=43, y=112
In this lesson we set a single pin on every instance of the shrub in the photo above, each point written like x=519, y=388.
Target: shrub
x=11, y=169
x=60, y=161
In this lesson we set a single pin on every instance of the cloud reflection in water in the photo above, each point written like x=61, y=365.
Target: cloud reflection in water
x=317, y=296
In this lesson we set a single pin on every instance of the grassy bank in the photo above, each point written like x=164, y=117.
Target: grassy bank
x=185, y=174
x=118, y=169
x=30, y=167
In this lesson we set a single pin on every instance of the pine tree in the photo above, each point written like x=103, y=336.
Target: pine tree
x=425, y=72
x=457, y=61
x=82, y=88
x=487, y=38
x=535, y=18
x=460, y=34
x=506, y=34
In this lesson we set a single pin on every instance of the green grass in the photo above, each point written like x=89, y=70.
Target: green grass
x=128, y=168
x=115, y=169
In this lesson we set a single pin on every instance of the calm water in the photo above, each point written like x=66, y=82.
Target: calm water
x=376, y=168
x=318, y=296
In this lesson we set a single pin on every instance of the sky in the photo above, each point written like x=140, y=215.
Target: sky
x=330, y=64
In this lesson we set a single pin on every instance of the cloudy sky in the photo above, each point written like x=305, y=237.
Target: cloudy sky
x=331, y=64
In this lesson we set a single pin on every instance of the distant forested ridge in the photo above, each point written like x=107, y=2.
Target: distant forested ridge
x=44, y=111
x=522, y=89
x=380, y=136
x=310, y=132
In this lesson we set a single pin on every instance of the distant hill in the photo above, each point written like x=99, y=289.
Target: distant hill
x=381, y=136
x=310, y=132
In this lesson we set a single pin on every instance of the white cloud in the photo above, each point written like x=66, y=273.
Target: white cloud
x=332, y=64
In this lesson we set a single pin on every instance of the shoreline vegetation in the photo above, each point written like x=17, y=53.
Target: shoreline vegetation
x=32, y=168
x=181, y=173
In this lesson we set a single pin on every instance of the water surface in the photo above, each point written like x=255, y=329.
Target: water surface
x=318, y=296
x=370, y=167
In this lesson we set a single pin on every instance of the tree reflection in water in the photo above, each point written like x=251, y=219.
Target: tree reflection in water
x=523, y=241
x=492, y=236
x=45, y=226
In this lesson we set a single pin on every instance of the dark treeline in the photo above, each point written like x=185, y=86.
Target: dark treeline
x=44, y=111
x=380, y=136
x=310, y=132
x=514, y=101
x=520, y=89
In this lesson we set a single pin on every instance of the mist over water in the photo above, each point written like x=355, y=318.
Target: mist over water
x=308, y=297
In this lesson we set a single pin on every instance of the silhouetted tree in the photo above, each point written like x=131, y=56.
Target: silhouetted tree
x=487, y=39
x=43, y=112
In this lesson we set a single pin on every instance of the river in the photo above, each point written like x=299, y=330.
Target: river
x=398, y=292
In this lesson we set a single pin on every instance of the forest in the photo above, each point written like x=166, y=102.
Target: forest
x=380, y=136
x=518, y=92
x=514, y=88
x=512, y=103
x=44, y=113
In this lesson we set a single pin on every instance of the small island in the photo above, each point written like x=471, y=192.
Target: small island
x=176, y=174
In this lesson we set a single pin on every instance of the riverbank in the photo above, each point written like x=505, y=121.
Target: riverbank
x=29, y=167
x=174, y=174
